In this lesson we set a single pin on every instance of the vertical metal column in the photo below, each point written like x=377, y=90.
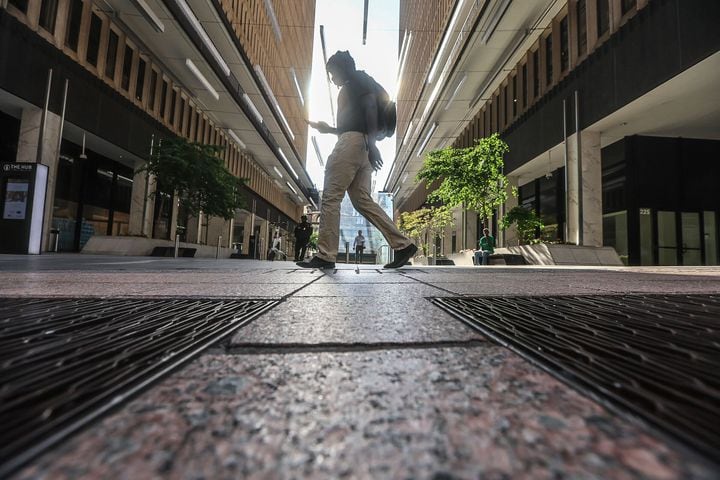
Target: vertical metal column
x=567, y=174
x=43, y=119
x=578, y=153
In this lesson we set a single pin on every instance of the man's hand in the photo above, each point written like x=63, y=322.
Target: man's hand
x=321, y=127
x=374, y=156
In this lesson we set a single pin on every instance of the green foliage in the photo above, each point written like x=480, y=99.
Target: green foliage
x=312, y=243
x=469, y=176
x=197, y=174
x=528, y=223
x=425, y=224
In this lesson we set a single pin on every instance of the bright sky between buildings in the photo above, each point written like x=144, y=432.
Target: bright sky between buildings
x=343, y=24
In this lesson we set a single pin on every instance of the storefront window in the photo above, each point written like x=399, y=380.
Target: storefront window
x=710, y=234
x=667, y=238
x=162, y=215
x=646, y=237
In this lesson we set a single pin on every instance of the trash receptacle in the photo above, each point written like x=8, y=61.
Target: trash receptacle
x=54, y=240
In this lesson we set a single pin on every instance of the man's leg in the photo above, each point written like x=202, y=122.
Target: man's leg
x=340, y=170
x=359, y=192
x=485, y=257
x=297, y=251
x=476, y=258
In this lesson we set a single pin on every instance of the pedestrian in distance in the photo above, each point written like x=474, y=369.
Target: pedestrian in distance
x=359, y=246
x=303, y=231
x=364, y=115
x=486, y=247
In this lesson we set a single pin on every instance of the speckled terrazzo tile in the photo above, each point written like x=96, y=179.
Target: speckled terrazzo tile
x=364, y=276
x=516, y=288
x=461, y=413
x=208, y=290
x=319, y=320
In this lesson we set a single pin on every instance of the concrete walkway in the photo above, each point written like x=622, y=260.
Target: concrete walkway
x=355, y=374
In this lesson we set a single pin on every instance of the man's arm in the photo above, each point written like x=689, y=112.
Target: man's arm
x=323, y=127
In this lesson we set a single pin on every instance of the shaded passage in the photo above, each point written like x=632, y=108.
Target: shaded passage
x=64, y=362
x=655, y=356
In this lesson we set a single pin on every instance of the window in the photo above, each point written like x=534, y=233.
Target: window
x=536, y=74
x=504, y=104
x=140, y=83
x=163, y=98
x=183, y=119
x=548, y=61
x=127, y=68
x=93, y=46
x=603, y=17
x=48, y=15
x=153, y=87
x=626, y=6
x=73, y=27
x=173, y=100
x=21, y=5
x=514, y=96
x=111, y=56
x=564, y=45
x=524, y=86
x=582, y=27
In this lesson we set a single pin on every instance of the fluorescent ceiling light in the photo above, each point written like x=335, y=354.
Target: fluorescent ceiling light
x=446, y=38
x=455, y=92
x=396, y=191
x=203, y=35
x=252, y=106
x=149, y=15
x=408, y=132
x=273, y=19
x=297, y=85
x=317, y=151
x=235, y=137
x=268, y=90
x=403, y=55
x=278, y=171
x=38, y=209
x=198, y=74
x=427, y=138
x=493, y=22
x=287, y=163
x=291, y=188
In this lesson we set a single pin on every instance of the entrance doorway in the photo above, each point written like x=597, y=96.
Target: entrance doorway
x=678, y=238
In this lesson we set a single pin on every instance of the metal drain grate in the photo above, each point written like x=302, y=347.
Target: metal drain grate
x=65, y=362
x=655, y=356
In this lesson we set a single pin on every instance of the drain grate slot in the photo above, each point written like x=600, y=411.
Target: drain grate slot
x=65, y=362
x=653, y=356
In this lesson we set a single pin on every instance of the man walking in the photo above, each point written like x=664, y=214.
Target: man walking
x=350, y=165
x=359, y=246
x=303, y=231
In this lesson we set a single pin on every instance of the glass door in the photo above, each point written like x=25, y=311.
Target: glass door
x=691, y=252
x=667, y=238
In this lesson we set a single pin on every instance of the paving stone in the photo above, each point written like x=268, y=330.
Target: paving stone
x=381, y=293
x=458, y=413
x=318, y=320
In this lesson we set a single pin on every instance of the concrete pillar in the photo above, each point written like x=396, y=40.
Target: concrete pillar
x=143, y=195
x=27, y=152
x=217, y=227
x=174, y=216
x=509, y=237
x=591, y=189
x=247, y=231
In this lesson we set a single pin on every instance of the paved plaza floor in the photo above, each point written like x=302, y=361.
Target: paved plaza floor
x=355, y=374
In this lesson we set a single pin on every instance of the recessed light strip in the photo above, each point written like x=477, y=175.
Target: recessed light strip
x=252, y=106
x=194, y=69
x=446, y=38
x=268, y=90
x=235, y=137
x=149, y=15
x=203, y=35
x=287, y=163
x=427, y=138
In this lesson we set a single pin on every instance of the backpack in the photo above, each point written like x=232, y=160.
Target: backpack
x=386, y=108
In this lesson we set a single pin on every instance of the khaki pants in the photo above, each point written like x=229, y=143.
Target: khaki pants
x=348, y=169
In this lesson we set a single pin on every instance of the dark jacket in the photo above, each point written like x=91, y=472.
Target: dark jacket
x=303, y=231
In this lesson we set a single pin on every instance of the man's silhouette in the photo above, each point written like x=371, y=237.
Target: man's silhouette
x=303, y=231
x=350, y=165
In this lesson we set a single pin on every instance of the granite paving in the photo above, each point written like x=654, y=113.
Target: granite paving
x=355, y=374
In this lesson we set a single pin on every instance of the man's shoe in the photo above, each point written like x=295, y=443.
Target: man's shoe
x=316, y=262
x=402, y=256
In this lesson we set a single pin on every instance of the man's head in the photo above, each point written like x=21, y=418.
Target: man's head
x=360, y=232
x=340, y=66
x=303, y=218
x=486, y=231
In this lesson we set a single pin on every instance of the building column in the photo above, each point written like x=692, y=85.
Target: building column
x=591, y=190
x=27, y=151
x=217, y=227
x=143, y=195
x=247, y=231
x=508, y=237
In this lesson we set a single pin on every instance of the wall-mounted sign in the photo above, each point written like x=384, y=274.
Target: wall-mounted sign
x=16, y=199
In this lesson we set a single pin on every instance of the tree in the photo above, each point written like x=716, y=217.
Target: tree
x=425, y=224
x=470, y=176
x=198, y=176
x=528, y=223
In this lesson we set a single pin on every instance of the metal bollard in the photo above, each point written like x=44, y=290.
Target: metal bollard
x=217, y=251
x=347, y=252
x=177, y=244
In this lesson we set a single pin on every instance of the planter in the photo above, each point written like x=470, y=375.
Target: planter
x=558, y=254
x=141, y=246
